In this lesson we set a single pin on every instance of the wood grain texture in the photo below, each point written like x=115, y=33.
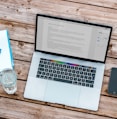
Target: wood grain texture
x=102, y=3
x=21, y=110
x=112, y=51
x=22, y=69
x=104, y=107
x=110, y=62
x=19, y=18
x=22, y=50
x=25, y=11
x=19, y=31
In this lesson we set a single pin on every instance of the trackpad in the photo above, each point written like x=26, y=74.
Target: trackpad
x=62, y=93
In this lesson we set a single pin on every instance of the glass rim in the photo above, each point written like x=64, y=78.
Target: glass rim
x=8, y=70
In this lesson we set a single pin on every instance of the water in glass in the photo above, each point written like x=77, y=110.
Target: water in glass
x=9, y=81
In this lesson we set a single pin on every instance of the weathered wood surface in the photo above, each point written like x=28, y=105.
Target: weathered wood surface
x=19, y=31
x=19, y=18
x=107, y=104
x=25, y=110
x=102, y=3
x=24, y=11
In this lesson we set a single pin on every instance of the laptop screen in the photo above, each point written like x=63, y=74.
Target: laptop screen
x=72, y=38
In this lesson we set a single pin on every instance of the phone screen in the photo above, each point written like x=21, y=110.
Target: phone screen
x=112, y=88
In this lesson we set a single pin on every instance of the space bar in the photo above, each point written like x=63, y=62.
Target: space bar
x=62, y=80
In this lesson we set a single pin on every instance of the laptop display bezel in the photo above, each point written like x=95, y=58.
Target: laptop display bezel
x=71, y=20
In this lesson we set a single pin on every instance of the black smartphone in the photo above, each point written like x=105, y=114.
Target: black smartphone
x=112, y=87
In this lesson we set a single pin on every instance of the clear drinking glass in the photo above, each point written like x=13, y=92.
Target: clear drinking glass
x=9, y=81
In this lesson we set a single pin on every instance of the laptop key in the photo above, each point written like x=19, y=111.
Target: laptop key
x=62, y=80
x=91, y=85
x=41, y=76
x=75, y=82
x=51, y=75
x=79, y=79
x=63, y=76
x=41, y=65
x=83, y=84
x=75, y=79
x=73, y=71
x=89, y=81
x=46, y=70
x=87, y=85
x=39, y=72
x=79, y=83
x=71, y=78
x=37, y=76
x=43, y=73
x=41, y=69
x=45, y=77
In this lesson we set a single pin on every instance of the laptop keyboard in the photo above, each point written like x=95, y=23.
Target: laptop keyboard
x=66, y=72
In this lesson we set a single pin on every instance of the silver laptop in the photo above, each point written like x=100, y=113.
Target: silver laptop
x=68, y=62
